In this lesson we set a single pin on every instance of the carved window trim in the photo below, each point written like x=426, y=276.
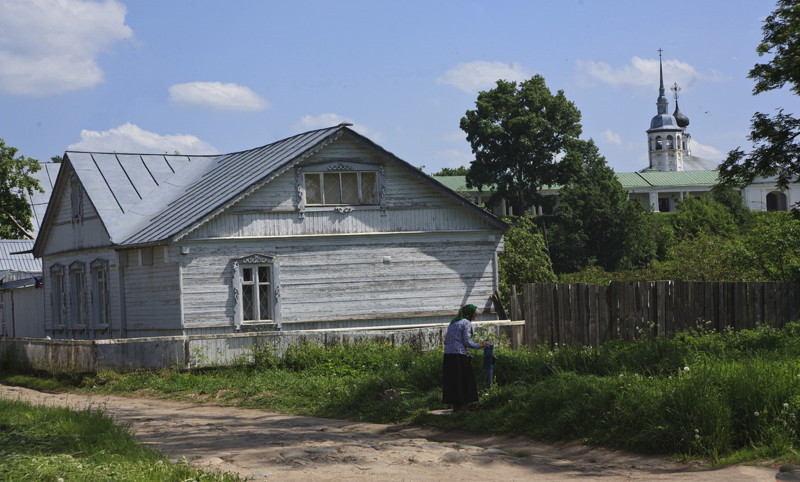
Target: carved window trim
x=254, y=261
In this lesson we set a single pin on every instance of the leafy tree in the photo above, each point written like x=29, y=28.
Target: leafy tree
x=596, y=223
x=525, y=258
x=453, y=171
x=732, y=199
x=702, y=216
x=57, y=159
x=771, y=250
x=776, y=140
x=518, y=133
x=15, y=182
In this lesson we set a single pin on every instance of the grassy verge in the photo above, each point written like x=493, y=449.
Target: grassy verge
x=45, y=443
x=729, y=397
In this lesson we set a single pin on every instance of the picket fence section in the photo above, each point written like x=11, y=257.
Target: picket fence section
x=588, y=315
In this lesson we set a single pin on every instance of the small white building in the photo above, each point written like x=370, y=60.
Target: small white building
x=324, y=229
x=21, y=293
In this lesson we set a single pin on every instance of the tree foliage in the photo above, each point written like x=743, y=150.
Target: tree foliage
x=776, y=139
x=453, y=171
x=525, y=258
x=15, y=182
x=702, y=216
x=596, y=223
x=519, y=133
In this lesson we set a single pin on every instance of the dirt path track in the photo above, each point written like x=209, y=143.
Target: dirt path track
x=262, y=445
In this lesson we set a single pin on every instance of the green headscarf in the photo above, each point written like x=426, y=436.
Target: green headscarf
x=466, y=311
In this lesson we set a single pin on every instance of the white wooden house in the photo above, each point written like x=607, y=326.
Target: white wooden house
x=324, y=229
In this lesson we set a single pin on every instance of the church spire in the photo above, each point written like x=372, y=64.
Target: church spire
x=661, y=103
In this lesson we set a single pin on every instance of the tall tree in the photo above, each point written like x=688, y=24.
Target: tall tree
x=776, y=139
x=519, y=134
x=595, y=222
x=15, y=182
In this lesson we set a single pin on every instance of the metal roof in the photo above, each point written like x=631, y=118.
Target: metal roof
x=18, y=262
x=222, y=181
x=38, y=200
x=678, y=178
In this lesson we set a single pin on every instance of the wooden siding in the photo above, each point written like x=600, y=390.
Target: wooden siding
x=66, y=235
x=152, y=294
x=114, y=308
x=347, y=278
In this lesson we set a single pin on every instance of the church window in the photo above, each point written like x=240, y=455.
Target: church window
x=669, y=142
x=658, y=143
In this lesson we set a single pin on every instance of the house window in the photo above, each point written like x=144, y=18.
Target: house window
x=57, y=295
x=256, y=290
x=76, y=200
x=147, y=256
x=77, y=282
x=100, y=292
x=331, y=188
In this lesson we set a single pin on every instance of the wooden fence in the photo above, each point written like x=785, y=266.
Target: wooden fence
x=588, y=315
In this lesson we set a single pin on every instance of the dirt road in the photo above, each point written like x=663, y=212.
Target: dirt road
x=262, y=445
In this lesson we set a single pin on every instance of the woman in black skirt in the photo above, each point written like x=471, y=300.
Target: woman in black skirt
x=458, y=387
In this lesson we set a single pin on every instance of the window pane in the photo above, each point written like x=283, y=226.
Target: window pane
x=263, y=301
x=247, y=275
x=247, y=302
x=331, y=184
x=263, y=274
x=313, y=191
x=369, y=191
x=349, y=188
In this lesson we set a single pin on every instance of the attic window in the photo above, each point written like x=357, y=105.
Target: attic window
x=337, y=188
x=76, y=200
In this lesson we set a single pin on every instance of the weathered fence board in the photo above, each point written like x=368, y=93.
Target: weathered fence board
x=582, y=314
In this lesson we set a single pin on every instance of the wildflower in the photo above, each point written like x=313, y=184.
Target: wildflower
x=686, y=369
x=785, y=405
x=697, y=436
x=697, y=430
x=756, y=414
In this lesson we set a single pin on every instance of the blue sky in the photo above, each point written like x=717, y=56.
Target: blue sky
x=222, y=76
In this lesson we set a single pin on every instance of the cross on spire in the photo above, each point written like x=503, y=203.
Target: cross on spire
x=675, y=89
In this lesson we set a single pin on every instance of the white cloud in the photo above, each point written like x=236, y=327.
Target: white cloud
x=644, y=72
x=611, y=137
x=131, y=138
x=216, y=95
x=706, y=152
x=321, y=121
x=480, y=75
x=51, y=46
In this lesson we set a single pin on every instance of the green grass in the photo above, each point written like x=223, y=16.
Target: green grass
x=46, y=443
x=727, y=397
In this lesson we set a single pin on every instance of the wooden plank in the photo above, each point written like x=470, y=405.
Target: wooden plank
x=593, y=335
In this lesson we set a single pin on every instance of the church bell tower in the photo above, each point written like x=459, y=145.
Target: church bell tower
x=667, y=139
